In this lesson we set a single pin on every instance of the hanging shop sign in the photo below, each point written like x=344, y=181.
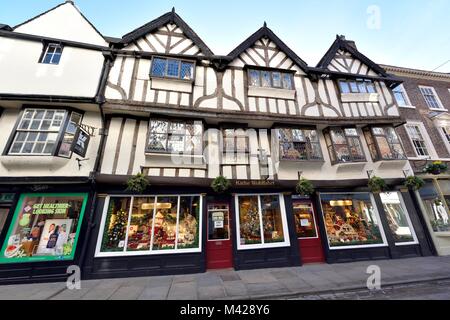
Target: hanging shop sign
x=45, y=227
x=80, y=142
x=6, y=197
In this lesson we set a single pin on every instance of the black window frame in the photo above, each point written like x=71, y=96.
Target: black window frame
x=178, y=78
x=308, y=143
x=357, y=83
x=370, y=136
x=331, y=146
x=271, y=72
x=61, y=133
x=167, y=135
x=45, y=46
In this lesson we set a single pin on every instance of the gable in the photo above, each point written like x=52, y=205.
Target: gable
x=344, y=61
x=63, y=22
x=168, y=39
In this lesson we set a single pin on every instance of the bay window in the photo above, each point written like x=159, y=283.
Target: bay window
x=344, y=145
x=136, y=225
x=270, y=79
x=351, y=220
x=262, y=221
x=172, y=68
x=45, y=132
x=299, y=144
x=167, y=136
x=383, y=143
x=398, y=218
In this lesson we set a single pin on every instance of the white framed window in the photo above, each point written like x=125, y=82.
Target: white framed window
x=154, y=224
x=402, y=97
x=261, y=221
x=398, y=218
x=417, y=139
x=431, y=98
x=52, y=53
x=352, y=220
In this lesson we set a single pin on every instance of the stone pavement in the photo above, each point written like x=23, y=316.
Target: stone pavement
x=280, y=283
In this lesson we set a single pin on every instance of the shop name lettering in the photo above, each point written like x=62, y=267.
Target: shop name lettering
x=254, y=183
x=236, y=309
x=50, y=208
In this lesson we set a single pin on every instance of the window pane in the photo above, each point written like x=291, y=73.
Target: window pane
x=304, y=219
x=350, y=220
x=158, y=126
x=353, y=87
x=351, y=132
x=249, y=220
x=187, y=70
x=175, y=143
x=56, y=58
x=344, y=87
x=165, y=223
x=370, y=87
x=173, y=68
x=276, y=78
x=116, y=225
x=188, y=232
x=157, y=142
x=140, y=228
x=265, y=78
x=159, y=67
x=254, y=78
x=356, y=150
x=272, y=221
x=385, y=150
x=287, y=81
x=401, y=101
x=338, y=136
x=362, y=87
x=342, y=153
x=218, y=222
x=397, y=217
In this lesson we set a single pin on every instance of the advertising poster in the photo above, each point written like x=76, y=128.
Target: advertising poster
x=45, y=227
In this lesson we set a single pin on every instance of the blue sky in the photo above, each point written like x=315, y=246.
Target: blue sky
x=409, y=33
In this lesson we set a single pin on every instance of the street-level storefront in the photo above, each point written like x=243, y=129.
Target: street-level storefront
x=42, y=233
x=435, y=202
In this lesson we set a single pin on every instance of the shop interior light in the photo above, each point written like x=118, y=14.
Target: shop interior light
x=159, y=205
x=341, y=203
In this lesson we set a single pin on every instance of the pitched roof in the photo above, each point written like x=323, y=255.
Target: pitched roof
x=342, y=44
x=5, y=27
x=169, y=17
x=264, y=31
x=56, y=7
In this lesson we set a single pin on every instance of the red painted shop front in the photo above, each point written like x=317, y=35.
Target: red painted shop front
x=309, y=241
x=219, y=254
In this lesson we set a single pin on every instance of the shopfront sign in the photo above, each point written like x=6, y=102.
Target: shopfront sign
x=6, y=197
x=254, y=183
x=80, y=142
x=45, y=227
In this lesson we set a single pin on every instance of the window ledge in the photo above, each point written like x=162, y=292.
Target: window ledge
x=271, y=93
x=394, y=163
x=407, y=107
x=439, y=109
x=359, y=97
x=33, y=162
x=171, y=84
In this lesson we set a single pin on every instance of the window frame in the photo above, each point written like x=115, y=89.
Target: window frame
x=302, y=128
x=271, y=71
x=402, y=90
x=357, y=82
x=262, y=245
x=180, y=61
x=100, y=254
x=45, y=48
x=311, y=206
x=427, y=146
x=64, y=124
x=167, y=135
x=225, y=154
x=328, y=130
x=370, y=130
x=435, y=95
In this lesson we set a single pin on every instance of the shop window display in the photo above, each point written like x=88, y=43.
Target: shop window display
x=142, y=225
x=305, y=225
x=397, y=217
x=261, y=221
x=436, y=209
x=45, y=227
x=351, y=220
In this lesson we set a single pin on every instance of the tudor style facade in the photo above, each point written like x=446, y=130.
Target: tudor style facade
x=51, y=67
x=160, y=103
x=424, y=100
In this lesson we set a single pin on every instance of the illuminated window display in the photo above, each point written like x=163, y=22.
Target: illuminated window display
x=262, y=221
x=436, y=209
x=145, y=225
x=305, y=225
x=351, y=220
x=45, y=227
x=398, y=219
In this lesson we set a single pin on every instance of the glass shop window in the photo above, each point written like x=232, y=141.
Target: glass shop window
x=305, y=223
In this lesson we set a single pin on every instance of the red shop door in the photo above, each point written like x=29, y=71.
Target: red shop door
x=309, y=241
x=219, y=251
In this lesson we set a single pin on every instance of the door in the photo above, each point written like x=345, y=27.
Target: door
x=219, y=254
x=3, y=215
x=309, y=241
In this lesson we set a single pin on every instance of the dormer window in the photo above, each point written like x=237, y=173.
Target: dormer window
x=172, y=69
x=52, y=53
x=356, y=86
x=270, y=79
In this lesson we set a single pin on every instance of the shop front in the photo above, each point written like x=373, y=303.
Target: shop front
x=435, y=203
x=6, y=201
x=41, y=236
x=366, y=226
